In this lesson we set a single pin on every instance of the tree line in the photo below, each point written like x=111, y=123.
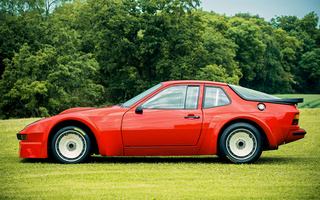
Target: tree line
x=56, y=54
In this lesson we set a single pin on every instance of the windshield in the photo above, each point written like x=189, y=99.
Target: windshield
x=141, y=96
x=252, y=95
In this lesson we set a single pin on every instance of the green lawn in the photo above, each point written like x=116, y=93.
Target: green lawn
x=292, y=172
x=309, y=100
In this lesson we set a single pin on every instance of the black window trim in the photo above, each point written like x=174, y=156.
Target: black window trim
x=204, y=97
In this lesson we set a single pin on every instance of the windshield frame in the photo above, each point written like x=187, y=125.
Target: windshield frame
x=141, y=96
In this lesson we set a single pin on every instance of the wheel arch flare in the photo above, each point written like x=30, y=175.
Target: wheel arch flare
x=61, y=124
x=265, y=139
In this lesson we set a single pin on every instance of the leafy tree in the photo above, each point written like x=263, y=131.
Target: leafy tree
x=248, y=37
x=216, y=73
x=140, y=43
x=310, y=69
x=15, y=30
x=287, y=23
x=305, y=32
x=55, y=55
x=221, y=51
x=267, y=56
x=49, y=81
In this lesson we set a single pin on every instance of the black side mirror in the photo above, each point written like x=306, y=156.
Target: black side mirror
x=139, y=110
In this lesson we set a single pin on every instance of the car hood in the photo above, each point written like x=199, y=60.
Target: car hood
x=92, y=110
x=77, y=110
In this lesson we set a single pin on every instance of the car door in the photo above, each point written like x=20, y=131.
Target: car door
x=171, y=117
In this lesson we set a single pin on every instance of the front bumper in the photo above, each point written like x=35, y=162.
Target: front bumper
x=29, y=148
x=295, y=135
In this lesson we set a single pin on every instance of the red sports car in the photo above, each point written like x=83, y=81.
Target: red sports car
x=171, y=118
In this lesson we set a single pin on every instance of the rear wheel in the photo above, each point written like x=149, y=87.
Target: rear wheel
x=71, y=145
x=240, y=143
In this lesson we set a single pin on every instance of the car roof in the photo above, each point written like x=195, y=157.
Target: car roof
x=194, y=82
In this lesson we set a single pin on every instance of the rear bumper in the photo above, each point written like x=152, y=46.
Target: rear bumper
x=300, y=133
x=296, y=135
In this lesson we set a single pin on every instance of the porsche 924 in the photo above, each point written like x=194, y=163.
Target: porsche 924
x=171, y=118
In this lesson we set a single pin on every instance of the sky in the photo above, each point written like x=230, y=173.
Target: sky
x=264, y=8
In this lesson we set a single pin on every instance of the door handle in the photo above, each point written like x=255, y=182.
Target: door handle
x=192, y=117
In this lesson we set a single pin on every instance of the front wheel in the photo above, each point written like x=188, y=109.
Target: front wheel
x=240, y=143
x=71, y=145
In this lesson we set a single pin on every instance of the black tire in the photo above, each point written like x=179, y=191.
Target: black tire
x=71, y=145
x=240, y=143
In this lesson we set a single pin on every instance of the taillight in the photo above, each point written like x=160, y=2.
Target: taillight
x=295, y=119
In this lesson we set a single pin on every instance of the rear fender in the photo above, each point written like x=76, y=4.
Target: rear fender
x=219, y=122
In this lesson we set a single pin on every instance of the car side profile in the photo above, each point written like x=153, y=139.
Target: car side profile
x=171, y=118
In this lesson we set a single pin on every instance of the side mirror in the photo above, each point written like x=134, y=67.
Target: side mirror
x=139, y=110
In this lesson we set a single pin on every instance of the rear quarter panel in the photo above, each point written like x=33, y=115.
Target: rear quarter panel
x=275, y=120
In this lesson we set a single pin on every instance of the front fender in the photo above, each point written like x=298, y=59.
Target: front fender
x=79, y=118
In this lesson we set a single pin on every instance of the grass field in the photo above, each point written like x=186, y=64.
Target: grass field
x=309, y=100
x=292, y=172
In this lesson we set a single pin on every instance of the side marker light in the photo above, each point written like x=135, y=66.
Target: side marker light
x=22, y=136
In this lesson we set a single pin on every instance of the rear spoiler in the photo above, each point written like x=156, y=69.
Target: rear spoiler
x=288, y=101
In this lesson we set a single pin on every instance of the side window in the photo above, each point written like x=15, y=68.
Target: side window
x=192, y=97
x=175, y=97
x=215, y=96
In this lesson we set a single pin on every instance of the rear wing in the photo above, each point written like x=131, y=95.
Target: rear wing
x=288, y=101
